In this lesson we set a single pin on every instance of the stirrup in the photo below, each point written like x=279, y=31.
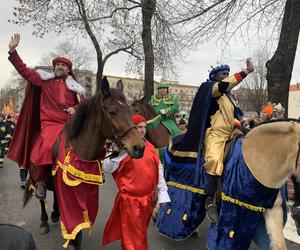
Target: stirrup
x=212, y=213
x=40, y=190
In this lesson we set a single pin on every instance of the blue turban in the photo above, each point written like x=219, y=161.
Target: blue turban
x=215, y=70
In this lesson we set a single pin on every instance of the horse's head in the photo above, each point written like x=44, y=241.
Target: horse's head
x=138, y=107
x=143, y=108
x=271, y=151
x=118, y=124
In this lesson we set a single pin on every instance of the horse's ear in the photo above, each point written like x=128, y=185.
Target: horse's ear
x=120, y=86
x=142, y=100
x=134, y=99
x=105, y=87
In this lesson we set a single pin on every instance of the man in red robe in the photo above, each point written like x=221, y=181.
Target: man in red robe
x=50, y=99
x=136, y=180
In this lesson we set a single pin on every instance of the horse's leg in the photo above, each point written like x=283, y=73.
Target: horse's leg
x=76, y=243
x=296, y=184
x=44, y=227
x=274, y=225
x=55, y=214
x=155, y=212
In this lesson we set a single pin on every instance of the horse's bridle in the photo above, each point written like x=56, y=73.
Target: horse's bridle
x=118, y=138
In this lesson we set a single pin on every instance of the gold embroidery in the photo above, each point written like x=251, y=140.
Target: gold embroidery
x=242, y=204
x=185, y=187
x=182, y=153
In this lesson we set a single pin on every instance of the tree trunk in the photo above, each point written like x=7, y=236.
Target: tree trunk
x=148, y=9
x=100, y=64
x=280, y=66
x=99, y=74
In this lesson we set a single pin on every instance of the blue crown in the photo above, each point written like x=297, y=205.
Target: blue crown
x=215, y=70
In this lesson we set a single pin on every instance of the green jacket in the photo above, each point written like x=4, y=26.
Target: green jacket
x=171, y=106
x=168, y=103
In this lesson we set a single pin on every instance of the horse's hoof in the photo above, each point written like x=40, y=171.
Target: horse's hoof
x=44, y=228
x=76, y=243
x=55, y=217
x=76, y=247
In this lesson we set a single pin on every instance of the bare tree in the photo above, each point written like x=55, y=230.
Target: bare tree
x=254, y=87
x=280, y=66
x=206, y=19
x=159, y=44
x=80, y=56
x=76, y=17
x=112, y=26
x=148, y=9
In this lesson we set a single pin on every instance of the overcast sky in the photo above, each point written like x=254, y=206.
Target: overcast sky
x=192, y=72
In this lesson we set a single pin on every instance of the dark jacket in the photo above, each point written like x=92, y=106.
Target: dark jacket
x=15, y=238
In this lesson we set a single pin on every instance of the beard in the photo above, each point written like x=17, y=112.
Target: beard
x=60, y=73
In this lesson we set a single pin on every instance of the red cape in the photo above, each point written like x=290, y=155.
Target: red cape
x=27, y=127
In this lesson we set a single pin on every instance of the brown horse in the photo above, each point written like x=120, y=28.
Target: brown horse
x=159, y=135
x=103, y=116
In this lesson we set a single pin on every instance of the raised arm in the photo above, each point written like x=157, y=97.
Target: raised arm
x=28, y=74
x=228, y=83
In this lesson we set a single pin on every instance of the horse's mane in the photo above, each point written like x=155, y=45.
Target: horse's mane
x=87, y=108
x=276, y=128
x=279, y=120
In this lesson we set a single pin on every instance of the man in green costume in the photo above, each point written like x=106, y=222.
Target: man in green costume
x=167, y=106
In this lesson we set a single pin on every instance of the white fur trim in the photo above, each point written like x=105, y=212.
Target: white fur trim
x=71, y=83
x=75, y=86
x=45, y=75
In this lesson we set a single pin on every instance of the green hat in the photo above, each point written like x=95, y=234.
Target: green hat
x=163, y=86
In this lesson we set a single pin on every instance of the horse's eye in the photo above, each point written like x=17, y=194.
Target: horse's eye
x=112, y=112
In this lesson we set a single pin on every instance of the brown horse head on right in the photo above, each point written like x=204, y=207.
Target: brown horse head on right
x=143, y=108
x=104, y=116
x=158, y=136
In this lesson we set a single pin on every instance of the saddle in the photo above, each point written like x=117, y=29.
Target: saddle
x=229, y=149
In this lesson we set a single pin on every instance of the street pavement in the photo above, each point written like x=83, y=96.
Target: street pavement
x=29, y=218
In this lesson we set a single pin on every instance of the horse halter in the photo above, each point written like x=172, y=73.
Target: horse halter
x=118, y=138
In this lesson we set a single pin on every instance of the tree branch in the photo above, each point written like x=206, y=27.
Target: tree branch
x=82, y=12
x=199, y=13
x=108, y=16
x=117, y=51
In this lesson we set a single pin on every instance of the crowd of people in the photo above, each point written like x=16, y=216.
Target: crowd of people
x=7, y=126
x=214, y=110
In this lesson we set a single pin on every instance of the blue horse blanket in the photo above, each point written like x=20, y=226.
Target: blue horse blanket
x=243, y=201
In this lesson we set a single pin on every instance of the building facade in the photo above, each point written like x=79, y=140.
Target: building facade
x=294, y=101
x=134, y=88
